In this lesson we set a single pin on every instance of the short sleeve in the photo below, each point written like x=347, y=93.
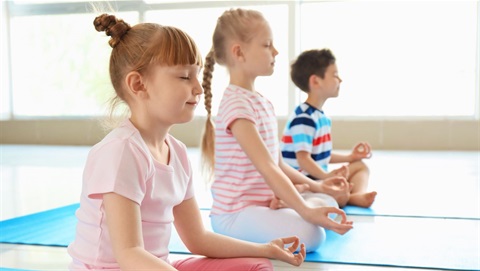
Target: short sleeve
x=118, y=166
x=302, y=130
x=238, y=106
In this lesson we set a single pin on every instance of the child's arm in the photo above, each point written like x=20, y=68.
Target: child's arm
x=360, y=151
x=198, y=240
x=336, y=186
x=306, y=162
x=252, y=144
x=125, y=228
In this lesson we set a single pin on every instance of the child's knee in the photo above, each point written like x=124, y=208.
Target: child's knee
x=265, y=265
x=313, y=238
x=358, y=166
x=256, y=264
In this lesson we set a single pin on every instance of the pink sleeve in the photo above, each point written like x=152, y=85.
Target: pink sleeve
x=118, y=166
x=238, y=107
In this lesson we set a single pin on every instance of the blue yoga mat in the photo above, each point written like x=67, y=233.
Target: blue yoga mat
x=442, y=209
x=447, y=244
x=450, y=244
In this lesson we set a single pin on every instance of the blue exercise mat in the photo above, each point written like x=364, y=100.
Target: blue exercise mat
x=449, y=244
x=424, y=184
x=442, y=209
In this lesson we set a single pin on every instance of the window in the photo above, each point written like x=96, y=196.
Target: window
x=397, y=58
x=5, y=109
x=61, y=69
x=274, y=87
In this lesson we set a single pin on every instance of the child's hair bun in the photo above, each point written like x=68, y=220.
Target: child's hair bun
x=113, y=27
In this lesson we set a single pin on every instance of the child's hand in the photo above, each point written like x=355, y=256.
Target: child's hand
x=319, y=216
x=336, y=183
x=337, y=187
x=360, y=151
x=287, y=254
x=342, y=172
x=277, y=203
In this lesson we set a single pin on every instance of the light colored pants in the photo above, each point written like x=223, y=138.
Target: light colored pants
x=261, y=224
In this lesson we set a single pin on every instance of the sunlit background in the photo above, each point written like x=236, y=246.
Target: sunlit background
x=396, y=58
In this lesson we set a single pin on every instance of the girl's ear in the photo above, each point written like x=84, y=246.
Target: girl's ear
x=134, y=82
x=237, y=52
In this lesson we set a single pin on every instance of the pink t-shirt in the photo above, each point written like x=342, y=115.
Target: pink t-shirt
x=237, y=183
x=122, y=163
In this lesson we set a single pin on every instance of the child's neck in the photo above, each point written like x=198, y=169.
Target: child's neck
x=316, y=102
x=244, y=86
x=152, y=133
x=239, y=79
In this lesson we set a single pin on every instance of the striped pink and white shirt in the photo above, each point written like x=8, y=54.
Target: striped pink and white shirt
x=237, y=183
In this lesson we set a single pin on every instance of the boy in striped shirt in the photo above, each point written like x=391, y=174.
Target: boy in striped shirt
x=306, y=142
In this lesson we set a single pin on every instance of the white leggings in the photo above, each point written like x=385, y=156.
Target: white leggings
x=261, y=224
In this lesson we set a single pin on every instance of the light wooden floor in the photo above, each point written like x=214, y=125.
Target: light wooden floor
x=37, y=178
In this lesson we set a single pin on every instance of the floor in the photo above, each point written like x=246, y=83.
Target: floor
x=37, y=178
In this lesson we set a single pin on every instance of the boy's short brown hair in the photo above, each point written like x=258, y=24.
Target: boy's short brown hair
x=308, y=63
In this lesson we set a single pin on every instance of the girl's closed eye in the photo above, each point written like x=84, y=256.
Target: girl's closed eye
x=190, y=74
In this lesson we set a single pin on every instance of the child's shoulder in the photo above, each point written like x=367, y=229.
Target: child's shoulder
x=236, y=91
x=235, y=95
x=114, y=150
x=306, y=109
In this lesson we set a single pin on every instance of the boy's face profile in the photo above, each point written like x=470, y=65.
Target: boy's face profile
x=329, y=85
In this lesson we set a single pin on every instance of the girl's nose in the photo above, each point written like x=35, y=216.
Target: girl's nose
x=198, y=89
x=275, y=52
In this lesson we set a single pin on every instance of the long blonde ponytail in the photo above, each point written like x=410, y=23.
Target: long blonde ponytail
x=208, y=140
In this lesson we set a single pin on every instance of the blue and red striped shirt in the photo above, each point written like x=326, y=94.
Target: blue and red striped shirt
x=308, y=129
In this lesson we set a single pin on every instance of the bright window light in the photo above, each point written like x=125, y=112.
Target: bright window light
x=4, y=68
x=397, y=58
x=61, y=68
x=274, y=87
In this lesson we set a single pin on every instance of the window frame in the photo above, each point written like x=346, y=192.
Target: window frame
x=387, y=133
x=12, y=9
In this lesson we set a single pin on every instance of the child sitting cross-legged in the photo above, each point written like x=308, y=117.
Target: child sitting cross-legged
x=306, y=142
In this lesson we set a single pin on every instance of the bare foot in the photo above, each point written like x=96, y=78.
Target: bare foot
x=362, y=199
x=277, y=203
x=302, y=187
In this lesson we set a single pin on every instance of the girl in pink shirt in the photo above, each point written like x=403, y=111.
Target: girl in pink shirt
x=137, y=181
x=241, y=150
